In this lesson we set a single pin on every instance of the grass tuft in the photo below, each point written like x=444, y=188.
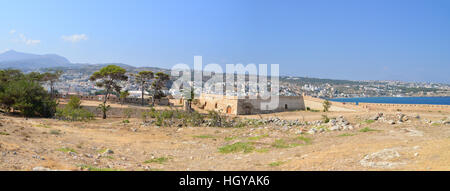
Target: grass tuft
x=366, y=129
x=237, y=147
x=66, y=150
x=346, y=135
x=92, y=168
x=256, y=138
x=203, y=136
x=159, y=160
x=4, y=133
x=306, y=140
x=278, y=163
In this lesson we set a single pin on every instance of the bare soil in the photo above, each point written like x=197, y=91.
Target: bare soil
x=61, y=145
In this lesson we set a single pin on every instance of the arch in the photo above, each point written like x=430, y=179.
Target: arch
x=228, y=109
x=286, y=106
x=248, y=108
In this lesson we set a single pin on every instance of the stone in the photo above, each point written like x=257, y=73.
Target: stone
x=391, y=122
x=335, y=128
x=350, y=127
x=312, y=131
x=108, y=151
x=40, y=168
x=386, y=158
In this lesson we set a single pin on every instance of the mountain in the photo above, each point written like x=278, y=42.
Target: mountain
x=25, y=61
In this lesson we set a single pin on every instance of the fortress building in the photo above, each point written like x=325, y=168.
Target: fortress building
x=245, y=106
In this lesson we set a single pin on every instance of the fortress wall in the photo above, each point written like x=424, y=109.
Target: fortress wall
x=222, y=104
x=136, y=101
x=317, y=104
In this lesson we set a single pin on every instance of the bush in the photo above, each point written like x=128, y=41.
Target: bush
x=325, y=119
x=28, y=98
x=326, y=105
x=74, y=102
x=73, y=111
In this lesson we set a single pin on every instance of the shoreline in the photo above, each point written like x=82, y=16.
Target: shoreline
x=396, y=100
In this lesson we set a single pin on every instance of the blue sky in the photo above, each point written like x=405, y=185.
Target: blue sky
x=405, y=40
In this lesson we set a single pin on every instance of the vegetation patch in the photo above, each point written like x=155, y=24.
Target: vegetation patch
x=230, y=138
x=346, y=135
x=43, y=126
x=204, y=136
x=262, y=150
x=159, y=160
x=369, y=121
x=256, y=138
x=280, y=143
x=366, y=129
x=92, y=168
x=66, y=150
x=55, y=132
x=435, y=124
x=278, y=163
x=4, y=133
x=245, y=147
x=73, y=111
x=305, y=140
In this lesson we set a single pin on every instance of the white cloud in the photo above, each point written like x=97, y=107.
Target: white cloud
x=75, y=38
x=28, y=41
x=19, y=37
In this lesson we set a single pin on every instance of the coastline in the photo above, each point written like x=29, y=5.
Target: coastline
x=438, y=100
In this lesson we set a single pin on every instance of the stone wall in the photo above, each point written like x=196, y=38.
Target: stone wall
x=242, y=106
x=136, y=101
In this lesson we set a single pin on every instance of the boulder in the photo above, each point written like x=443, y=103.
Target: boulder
x=335, y=128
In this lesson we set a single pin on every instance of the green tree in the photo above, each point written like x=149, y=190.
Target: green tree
x=27, y=97
x=326, y=105
x=52, y=76
x=74, y=102
x=158, y=85
x=189, y=96
x=73, y=111
x=109, y=78
x=124, y=95
x=143, y=79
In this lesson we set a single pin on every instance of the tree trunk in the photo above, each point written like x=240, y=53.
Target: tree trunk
x=51, y=89
x=142, y=97
x=104, y=104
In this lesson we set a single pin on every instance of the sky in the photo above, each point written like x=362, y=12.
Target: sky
x=407, y=40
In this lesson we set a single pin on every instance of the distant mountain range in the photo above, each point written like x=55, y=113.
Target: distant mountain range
x=32, y=62
x=25, y=61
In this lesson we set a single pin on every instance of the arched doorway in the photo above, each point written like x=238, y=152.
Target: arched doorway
x=229, y=110
x=248, y=108
x=285, y=106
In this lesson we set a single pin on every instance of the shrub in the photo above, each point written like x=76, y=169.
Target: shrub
x=237, y=147
x=326, y=105
x=73, y=111
x=74, y=102
x=159, y=160
x=325, y=119
x=28, y=98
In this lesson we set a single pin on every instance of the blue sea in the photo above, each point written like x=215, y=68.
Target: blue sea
x=398, y=100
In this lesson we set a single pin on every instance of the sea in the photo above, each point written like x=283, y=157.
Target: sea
x=397, y=100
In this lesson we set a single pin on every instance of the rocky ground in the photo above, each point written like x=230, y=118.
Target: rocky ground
x=284, y=141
